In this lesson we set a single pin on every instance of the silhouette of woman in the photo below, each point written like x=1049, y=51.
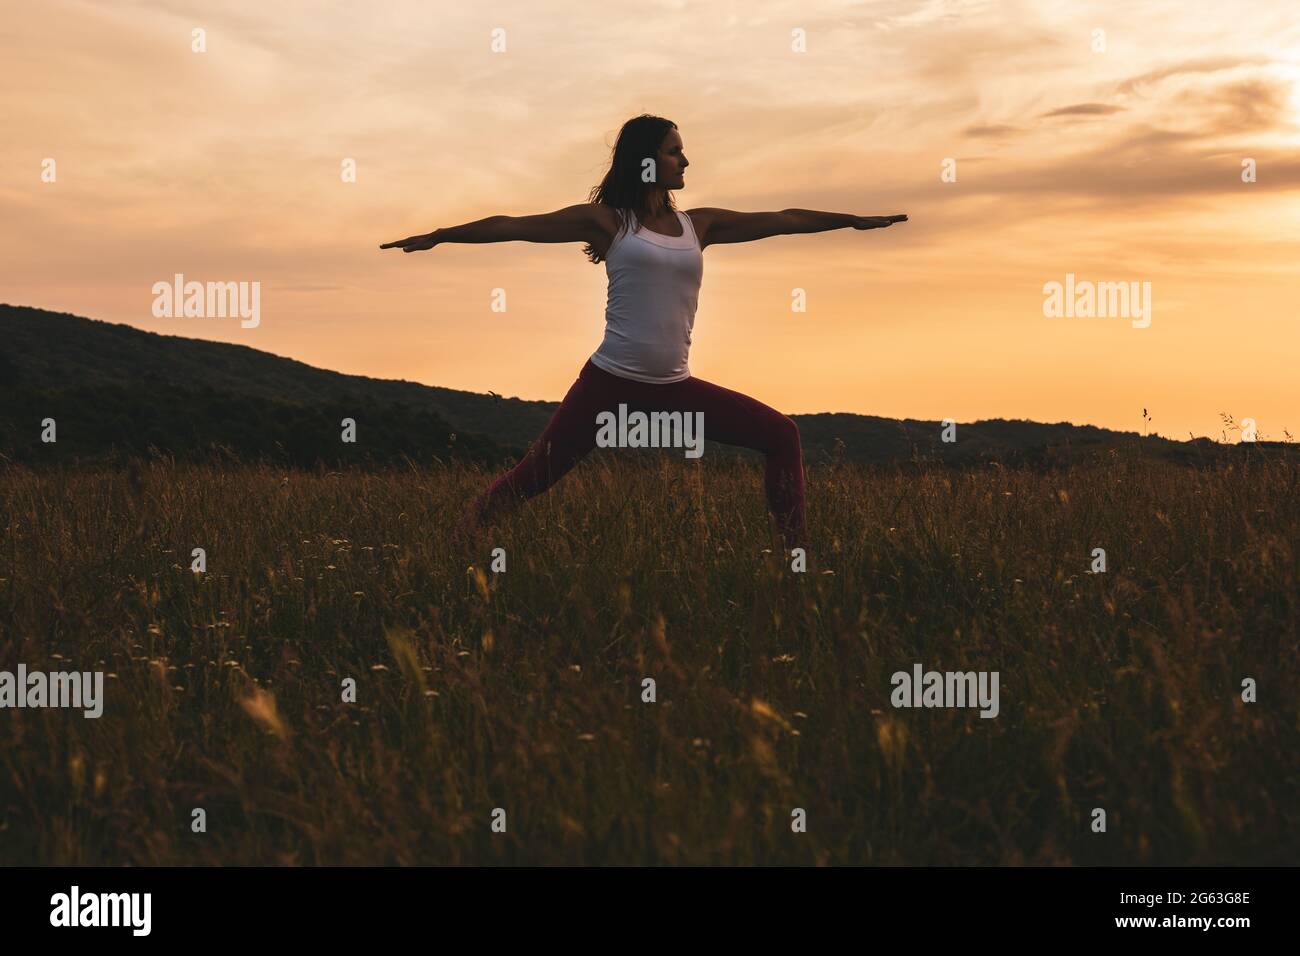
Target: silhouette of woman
x=653, y=258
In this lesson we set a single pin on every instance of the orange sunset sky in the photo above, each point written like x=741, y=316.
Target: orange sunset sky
x=1114, y=164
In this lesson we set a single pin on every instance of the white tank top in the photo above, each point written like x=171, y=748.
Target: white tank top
x=654, y=287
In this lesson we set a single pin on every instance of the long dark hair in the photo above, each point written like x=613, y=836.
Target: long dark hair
x=622, y=188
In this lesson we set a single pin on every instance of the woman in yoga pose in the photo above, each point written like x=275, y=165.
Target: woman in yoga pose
x=653, y=258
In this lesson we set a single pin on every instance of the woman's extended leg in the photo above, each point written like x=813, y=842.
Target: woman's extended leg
x=736, y=419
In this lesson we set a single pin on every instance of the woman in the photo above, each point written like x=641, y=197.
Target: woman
x=653, y=258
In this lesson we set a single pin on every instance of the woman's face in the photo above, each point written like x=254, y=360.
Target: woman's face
x=671, y=162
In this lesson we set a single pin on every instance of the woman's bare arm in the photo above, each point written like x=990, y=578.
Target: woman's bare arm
x=725, y=225
x=585, y=222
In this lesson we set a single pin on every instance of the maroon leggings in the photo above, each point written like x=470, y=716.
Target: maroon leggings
x=729, y=417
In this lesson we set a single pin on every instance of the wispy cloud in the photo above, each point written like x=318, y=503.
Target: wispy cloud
x=1085, y=109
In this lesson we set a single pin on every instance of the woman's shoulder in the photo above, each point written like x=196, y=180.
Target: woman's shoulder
x=615, y=224
x=610, y=218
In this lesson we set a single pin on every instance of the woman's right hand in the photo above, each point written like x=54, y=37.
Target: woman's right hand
x=877, y=222
x=414, y=243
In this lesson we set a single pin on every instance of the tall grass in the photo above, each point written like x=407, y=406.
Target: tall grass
x=523, y=690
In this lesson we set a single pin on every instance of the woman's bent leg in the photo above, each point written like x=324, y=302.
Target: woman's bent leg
x=736, y=419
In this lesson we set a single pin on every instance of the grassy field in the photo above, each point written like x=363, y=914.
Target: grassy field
x=523, y=690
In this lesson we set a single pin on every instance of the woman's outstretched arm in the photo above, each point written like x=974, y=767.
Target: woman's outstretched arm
x=725, y=225
x=585, y=222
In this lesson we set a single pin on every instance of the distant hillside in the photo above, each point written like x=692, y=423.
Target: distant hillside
x=114, y=389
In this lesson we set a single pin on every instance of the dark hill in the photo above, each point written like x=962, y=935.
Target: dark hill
x=114, y=389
